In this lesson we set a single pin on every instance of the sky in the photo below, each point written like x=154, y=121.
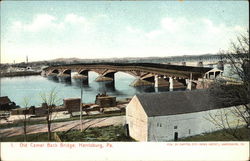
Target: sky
x=44, y=30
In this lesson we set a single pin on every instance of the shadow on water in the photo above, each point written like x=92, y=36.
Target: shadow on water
x=67, y=81
x=53, y=79
x=107, y=86
x=80, y=83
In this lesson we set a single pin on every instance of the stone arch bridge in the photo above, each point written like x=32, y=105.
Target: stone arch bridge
x=174, y=76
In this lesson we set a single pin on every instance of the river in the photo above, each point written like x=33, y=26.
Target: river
x=17, y=88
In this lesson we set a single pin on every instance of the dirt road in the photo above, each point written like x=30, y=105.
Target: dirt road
x=64, y=126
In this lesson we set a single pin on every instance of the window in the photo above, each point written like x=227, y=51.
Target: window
x=189, y=131
x=158, y=124
x=175, y=127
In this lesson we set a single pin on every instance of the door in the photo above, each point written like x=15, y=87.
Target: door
x=175, y=136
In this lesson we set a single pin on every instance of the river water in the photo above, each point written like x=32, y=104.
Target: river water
x=31, y=87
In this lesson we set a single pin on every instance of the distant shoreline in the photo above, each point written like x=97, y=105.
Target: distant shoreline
x=17, y=74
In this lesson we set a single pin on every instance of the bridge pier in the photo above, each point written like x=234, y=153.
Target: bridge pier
x=83, y=76
x=156, y=81
x=171, y=84
x=191, y=83
x=102, y=78
x=140, y=82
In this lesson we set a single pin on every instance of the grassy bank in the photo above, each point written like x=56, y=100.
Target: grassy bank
x=220, y=136
x=108, y=133
x=39, y=137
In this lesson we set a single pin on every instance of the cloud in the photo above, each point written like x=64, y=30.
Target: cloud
x=100, y=36
x=133, y=30
x=173, y=25
x=45, y=21
x=183, y=36
x=40, y=22
x=73, y=18
x=153, y=34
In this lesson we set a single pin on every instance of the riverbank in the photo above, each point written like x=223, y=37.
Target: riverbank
x=64, y=126
x=104, y=133
x=36, y=115
x=21, y=73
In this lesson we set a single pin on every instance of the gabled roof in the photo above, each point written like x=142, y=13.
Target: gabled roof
x=181, y=102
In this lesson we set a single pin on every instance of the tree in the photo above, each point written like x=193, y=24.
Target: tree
x=237, y=93
x=49, y=102
x=24, y=120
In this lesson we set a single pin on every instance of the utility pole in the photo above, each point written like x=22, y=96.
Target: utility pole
x=81, y=108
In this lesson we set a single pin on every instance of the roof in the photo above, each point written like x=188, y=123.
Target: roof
x=4, y=100
x=214, y=70
x=181, y=102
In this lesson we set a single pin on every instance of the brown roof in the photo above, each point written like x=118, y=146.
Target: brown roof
x=4, y=100
x=181, y=102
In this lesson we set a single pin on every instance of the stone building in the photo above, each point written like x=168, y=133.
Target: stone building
x=172, y=115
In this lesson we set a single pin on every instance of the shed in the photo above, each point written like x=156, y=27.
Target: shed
x=72, y=104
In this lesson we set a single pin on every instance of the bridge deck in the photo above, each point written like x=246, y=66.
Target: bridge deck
x=164, y=69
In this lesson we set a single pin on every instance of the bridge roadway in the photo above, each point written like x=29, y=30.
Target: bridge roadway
x=146, y=73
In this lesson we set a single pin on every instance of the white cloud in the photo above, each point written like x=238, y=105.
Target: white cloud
x=73, y=18
x=211, y=28
x=41, y=21
x=133, y=30
x=46, y=21
x=181, y=36
x=153, y=34
x=173, y=25
x=85, y=37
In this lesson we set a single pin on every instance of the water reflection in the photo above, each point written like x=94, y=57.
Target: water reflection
x=53, y=78
x=80, y=83
x=66, y=81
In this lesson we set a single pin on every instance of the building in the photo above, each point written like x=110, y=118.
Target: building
x=172, y=115
x=104, y=100
x=6, y=104
x=72, y=104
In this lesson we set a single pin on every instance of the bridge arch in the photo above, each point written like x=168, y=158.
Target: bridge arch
x=67, y=71
x=55, y=71
x=85, y=71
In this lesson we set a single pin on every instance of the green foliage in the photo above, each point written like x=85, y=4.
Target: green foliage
x=39, y=137
x=108, y=133
x=220, y=136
